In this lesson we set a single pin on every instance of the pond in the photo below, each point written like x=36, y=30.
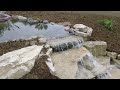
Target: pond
x=15, y=30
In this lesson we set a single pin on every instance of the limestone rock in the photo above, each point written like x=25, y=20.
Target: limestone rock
x=21, y=18
x=87, y=62
x=76, y=64
x=104, y=60
x=71, y=31
x=79, y=26
x=118, y=56
x=52, y=23
x=4, y=17
x=45, y=21
x=66, y=62
x=15, y=64
x=116, y=61
x=66, y=42
x=30, y=20
x=82, y=30
x=47, y=46
x=97, y=48
x=50, y=65
x=42, y=40
x=49, y=51
x=113, y=55
x=67, y=28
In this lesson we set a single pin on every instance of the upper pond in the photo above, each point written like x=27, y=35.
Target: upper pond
x=23, y=30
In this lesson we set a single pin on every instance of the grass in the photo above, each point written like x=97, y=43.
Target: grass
x=108, y=23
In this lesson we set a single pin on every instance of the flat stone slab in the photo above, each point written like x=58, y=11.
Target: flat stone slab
x=65, y=62
x=15, y=64
x=76, y=64
x=65, y=43
x=58, y=41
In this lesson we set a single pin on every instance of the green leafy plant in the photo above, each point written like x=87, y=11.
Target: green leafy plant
x=107, y=23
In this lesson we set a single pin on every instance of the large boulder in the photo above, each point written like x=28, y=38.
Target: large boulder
x=4, y=17
x=82, y=30
x=77, y=64
x=97, y=48
x=15, y=64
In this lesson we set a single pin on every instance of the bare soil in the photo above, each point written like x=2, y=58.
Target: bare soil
x=40, y=70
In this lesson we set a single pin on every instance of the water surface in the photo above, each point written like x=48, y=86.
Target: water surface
x=21, y=30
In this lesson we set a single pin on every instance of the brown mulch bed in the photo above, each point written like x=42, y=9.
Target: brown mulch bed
x=100, y=33
x=40, y=70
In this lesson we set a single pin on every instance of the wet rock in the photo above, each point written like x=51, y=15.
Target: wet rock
x=104, y=60
x=64, y=47
x=88, y=64
x=42, y=40
x=97, y=48
x=15, y=64
x=70, y=45
x=71, y=31
x=66, y=40
x=76, y=64
x=30, y=20
x=113, y=55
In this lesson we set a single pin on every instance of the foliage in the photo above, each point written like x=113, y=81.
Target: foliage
x=107, y=23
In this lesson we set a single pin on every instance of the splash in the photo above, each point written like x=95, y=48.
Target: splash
x=90, y=68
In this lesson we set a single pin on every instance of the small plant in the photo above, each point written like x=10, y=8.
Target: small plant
x=107, y=23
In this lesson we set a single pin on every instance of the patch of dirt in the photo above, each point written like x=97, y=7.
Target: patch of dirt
x=40, y=70
x=14, y=45
x=100, y=32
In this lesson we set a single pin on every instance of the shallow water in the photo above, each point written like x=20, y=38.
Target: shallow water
x=20, y=30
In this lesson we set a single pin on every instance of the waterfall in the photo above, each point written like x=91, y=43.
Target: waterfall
x=90, y=68
x=67, y=45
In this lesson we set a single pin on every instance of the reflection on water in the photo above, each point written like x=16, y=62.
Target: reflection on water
x=14, y=30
